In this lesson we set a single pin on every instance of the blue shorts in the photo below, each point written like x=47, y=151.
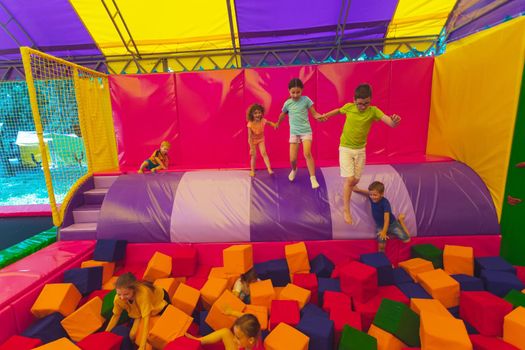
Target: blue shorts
x=151, y=165
x=395, y=229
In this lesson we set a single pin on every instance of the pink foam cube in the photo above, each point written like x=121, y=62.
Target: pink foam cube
x=286, y=311
x=359, y=281
x=484, y=311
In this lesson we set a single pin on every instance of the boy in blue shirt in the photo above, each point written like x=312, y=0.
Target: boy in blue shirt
x=386, y=222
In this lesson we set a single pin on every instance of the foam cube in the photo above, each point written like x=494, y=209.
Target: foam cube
x=183, y=343
x=353, y=339
x=101, y=341
x=500, y=283
x=204, y=328
x=468, y=283
x=277, y=291
x=219, y=272
x=320, y=330
x=321, y=266
x=86, y=280
x=520, y=272
x=261, y=312
x=397, y=318
x=216, y=317
x=440, y=286
x=326, y=284
x=184, y=260
x=515, y=298
x=173, y=323
x=47, y=329
x=492, y=263
x=107, y=268
x=285, y=337
x=110, y=284
x=262, y=293
x=285, y=311
x=307, y=281
x=60, y=344
x=514, y=328
x=379, y=261
x=238, y=258
x=313, y=310
x=212, y=290
x=413, y=290
x=428, y=252
x=344, y=316
x=110, y=250
x=123, y=331
x=297, y=257
x=20, y=343
x=385, y=340
x=159, y=266
x=276, y=270
x=84, y=321
x=481, y=342
x=458, y=260
x=401, y=276
x=415, y=266
x=439, y=332
x=186, y=298
x=170, y=285
x=359, y=281
x=293, y=292
x=428, y=305
x=336, y=300
x=56, y=297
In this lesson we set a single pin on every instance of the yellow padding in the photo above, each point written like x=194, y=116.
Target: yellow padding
x=56, y=297
x=85, y=321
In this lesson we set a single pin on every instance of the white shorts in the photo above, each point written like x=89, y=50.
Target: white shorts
x=351, y=162
x=300, y=138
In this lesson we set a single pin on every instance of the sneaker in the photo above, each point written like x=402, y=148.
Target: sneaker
x=291, y=177
x=314, y=182
x=252, y=173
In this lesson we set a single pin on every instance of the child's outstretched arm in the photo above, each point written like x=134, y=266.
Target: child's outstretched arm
x=280, y=119
x=361, y=191
x=272, y=124
x=392, y=121
x=315, y=114
x=383, y=234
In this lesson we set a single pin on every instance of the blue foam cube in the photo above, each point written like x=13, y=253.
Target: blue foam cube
x=401, y=276
x=123, y=331
x=500, y=282
x=492, y=263
x=110, y=250
x=321, y=266
x=324, y=284
x=469, y=283
x=47, y=329
x=385, y=273
x=311, y=310
x=320, y=330
x=86, y=279
x=276, y=270
x=413, y=290
x=204, y=328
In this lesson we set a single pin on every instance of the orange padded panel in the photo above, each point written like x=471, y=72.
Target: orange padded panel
x=219, y=272
x=430, y=305
x=385, y=340
x=261, y=312
x=170, y=285
x=438, y=332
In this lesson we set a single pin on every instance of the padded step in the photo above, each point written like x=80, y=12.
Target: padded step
x=86, y=213
x=81, y=231
x=105, y=181
x=95, y=196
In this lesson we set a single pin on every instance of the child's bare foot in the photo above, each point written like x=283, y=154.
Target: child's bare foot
x=140, y=171
x=348, y=217
x=270, y=171
x=314, y=182
x=252, y=173
x=292, y=175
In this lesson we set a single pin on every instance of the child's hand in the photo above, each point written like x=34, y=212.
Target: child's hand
x=396, y=119
x=228, y=311
x=383, y=236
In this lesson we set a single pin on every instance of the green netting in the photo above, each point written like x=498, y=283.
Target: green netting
x=27, y=247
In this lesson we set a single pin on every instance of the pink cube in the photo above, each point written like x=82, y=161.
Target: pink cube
x=481, y=342
x=342, y=316
x=484, y=311
x=101, y=341
x=20, y=343
x=184, y=261
x=307, y=281
x=183, y=343
x=359, y=281
x=286, y=311
x=334, y=300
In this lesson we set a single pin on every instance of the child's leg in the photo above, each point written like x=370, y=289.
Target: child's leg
x=224, y=335
x=294, y=149
x=381, y=246
x=310, y=163
x=264, y=155
x=398, y=229
x=142, y=167
x=348, y=188
x=253, y=158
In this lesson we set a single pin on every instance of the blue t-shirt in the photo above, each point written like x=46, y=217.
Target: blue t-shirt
x=378, y=212
x=298, y=115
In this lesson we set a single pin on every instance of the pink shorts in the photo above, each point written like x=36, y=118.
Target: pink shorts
x=300, y=138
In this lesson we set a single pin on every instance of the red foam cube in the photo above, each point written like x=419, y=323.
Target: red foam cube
x=359, y=281
x=344, y=316
x=183, y=343
x=484, y=311
x=20, y=343
x=333, y=300
x=184, y=261
x=286, y=311
x=101, y=341
x=307, y=281
x=481, y=342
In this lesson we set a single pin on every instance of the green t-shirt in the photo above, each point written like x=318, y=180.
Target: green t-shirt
x=357, y=125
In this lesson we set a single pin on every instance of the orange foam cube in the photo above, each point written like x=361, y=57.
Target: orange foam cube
x=173, y=323
x=212, y=290
x=110, y=284
x=85, y=321
x=440, y=286
x=159, y=266
x=56, y=297
x=262, y=293
x=186, y=298
x=261, y=312
x=385, y=340
x=277, y=291
x=430, y=305
x=216, y=318
x=219, y=272
x=59, y=344
x=297, y=257
x=293, y=292
x=458, y=260
x=238, y=258
x=415, y=266
x=107, y=268
x=438, y=332
x=285, y=337
x=514, y=327
x=170, y=285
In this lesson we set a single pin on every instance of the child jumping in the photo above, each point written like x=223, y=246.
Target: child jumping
x=159, y=159
x=256, y=124
x=352, y=153
x=386, y=222
x=297, y=107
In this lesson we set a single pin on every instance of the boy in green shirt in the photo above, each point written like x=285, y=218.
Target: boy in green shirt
x=352, y=155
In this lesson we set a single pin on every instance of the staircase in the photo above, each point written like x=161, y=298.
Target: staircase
x=85, y=216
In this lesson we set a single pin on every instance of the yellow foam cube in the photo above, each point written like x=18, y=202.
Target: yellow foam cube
x=170, y=285
x=59, y=344
x=238, y=258
x=212, y=290
x=159, y=266
x=219, y=272
x=415, y=266
x=262, y=293
x=385, y=340
x=431, y=305
x=285, y=337
x=297, y=257
x=85, y=321
x=110, y=284
x=293, y=292
x=216, y=318
x=56, y=297
x=514, y=327
x=458, y=260
x=173, y=323
x=107, y=268
x=186, y=298
x=261, y=312
x=440, y=286
x=438, y=332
